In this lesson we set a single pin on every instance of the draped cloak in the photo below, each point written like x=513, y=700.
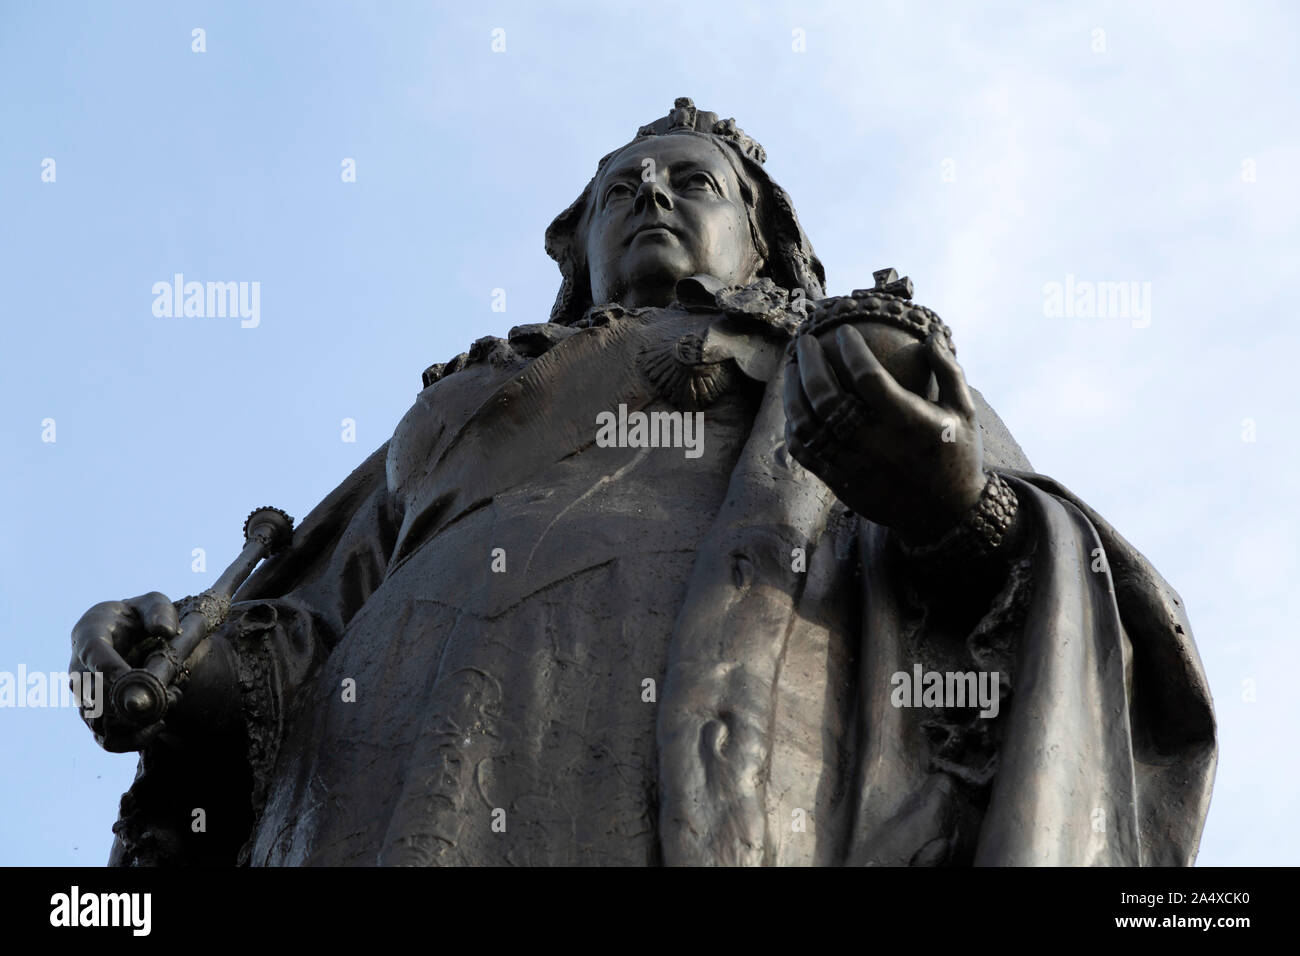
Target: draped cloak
x=491, y=645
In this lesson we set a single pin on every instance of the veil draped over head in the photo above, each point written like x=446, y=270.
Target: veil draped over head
x=790, y=260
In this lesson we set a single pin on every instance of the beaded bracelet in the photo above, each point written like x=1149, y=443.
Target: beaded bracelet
x=978, y=535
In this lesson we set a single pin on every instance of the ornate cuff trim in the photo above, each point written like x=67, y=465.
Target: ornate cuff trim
x=978, y=535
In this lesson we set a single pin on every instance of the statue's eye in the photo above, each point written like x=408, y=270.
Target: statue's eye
x=701, y=180
x=617, y=191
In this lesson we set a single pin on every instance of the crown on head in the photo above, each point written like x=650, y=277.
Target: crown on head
x=684, y=115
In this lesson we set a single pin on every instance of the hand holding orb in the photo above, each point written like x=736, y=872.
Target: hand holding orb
x=878, y=408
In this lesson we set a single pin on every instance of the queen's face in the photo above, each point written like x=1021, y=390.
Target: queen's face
x=665, y=208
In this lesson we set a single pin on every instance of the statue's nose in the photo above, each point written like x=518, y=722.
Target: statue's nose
x=649, y=192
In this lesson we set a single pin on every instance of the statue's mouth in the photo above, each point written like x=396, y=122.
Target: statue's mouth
x=654, y=229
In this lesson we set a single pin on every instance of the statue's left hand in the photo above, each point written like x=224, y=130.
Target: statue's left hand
x=887, y=453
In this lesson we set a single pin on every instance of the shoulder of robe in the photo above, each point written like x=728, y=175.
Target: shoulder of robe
x=1001, y=450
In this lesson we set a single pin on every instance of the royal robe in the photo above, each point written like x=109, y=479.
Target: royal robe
x=499, y=641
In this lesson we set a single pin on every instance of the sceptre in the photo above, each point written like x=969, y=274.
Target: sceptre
x=143, y=695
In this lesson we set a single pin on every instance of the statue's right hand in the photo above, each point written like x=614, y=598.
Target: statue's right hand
x=100, y=642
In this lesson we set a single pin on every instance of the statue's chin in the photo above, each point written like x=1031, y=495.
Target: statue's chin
x=651, y=274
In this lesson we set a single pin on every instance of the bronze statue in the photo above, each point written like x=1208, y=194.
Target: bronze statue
x=710, y=568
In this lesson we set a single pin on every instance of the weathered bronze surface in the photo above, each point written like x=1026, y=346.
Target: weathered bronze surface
x=662, y=580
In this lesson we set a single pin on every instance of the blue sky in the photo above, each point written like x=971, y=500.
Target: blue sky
x=984, y=151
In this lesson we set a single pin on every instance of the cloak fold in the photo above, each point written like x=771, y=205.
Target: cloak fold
x=1104, y=749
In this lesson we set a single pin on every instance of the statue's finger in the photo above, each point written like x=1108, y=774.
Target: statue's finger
x=819, y=382
x=819, y=466
x=157, y=614
x=954, y=393
x=99, y=655
x=100, y=623
x=799, y=414
x=80, y=676
x=872, y=381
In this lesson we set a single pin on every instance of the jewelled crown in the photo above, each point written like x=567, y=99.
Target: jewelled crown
x=685, y=115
